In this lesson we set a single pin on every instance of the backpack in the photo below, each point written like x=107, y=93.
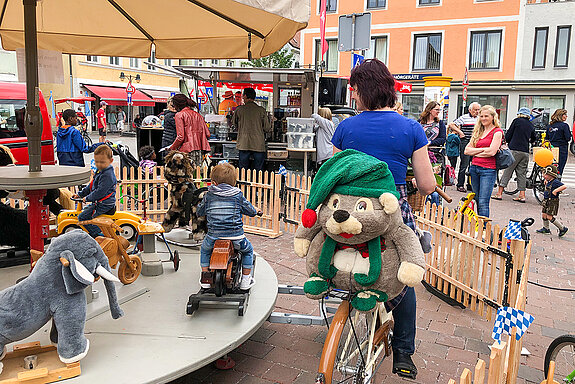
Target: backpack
x=450, y=176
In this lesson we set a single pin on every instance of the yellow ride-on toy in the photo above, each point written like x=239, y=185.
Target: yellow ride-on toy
x=127, y=221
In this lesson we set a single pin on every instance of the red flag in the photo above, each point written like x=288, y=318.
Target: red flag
x=322, y=16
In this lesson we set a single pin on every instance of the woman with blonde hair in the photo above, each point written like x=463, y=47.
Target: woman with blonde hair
x=559, y=135
x=484, y=144
x=398, y=107
x=324, y=128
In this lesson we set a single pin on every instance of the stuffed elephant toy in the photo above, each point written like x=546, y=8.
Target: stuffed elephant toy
x=55, y=290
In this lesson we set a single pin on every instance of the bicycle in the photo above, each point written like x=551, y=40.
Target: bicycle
x=85, y=135
x=356, y=343
x=562, y=352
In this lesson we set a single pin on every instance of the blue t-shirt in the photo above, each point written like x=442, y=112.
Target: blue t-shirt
x=385, y=135
x=550, y=187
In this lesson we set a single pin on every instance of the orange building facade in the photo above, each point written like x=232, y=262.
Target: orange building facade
x=417, y=38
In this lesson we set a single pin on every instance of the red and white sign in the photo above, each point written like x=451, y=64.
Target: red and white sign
x=403, y=87
x=130, y=88
x=322, y=17
x=464, y=95
x=466, y=77
x=202, y=95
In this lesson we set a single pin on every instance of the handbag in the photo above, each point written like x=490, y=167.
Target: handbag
x=504, y=158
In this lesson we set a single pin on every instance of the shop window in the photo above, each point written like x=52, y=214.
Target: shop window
x=114, y=60
x=412, y=106
x=374, y=4
x=229, y=63
x=429, y=2
x=330, y=6
x=134, y=62
x=168, y=62
x=12, y=118
x=499, y=102
x=541, y=107
x=540, y=47
x=378, y=48
x=92, y=59
x=485, y=50
x=562, y=46
x=427, y=52
x=215, y=62
x=188, y=62
x=330, y=57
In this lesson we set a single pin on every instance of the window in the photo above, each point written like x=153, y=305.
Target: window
x=376, y=4
x=562, y=46
x=330, y=5
x=152, y=59
x=485, y=50
x=378, y=49
x=427, y=52
x=499, y=102
x=168, y=62
x=134, y=62
x=92, y=59
x=330, y=56
x=412, y=106
x=540, y=47
x=114, y=60
x=188, y=62
x=541, y=107
x=429, y=2
x=215, y=62
x=229, y=63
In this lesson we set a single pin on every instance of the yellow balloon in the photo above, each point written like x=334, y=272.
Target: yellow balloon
x=543, y=157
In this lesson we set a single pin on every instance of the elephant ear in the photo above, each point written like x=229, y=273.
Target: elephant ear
x=76, y=276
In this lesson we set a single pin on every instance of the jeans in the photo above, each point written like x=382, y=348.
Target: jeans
x=464, y=163
x=404, y=323
x=90, y=212
x=243, y=246
x=563, y=154
x=482, y=181
x=257, y=163
x=520, y=167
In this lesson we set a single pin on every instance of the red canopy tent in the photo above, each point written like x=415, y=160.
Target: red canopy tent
x=78, y=100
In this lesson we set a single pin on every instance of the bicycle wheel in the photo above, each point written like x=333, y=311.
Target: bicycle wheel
x=538, y=184
x=87, y=138
x=562, y=351
x=346, y=357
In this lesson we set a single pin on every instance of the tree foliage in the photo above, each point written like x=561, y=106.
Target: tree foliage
x=283, y=58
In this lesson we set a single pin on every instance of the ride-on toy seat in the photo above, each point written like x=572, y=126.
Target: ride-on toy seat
x=224, y=276
x=115, y=246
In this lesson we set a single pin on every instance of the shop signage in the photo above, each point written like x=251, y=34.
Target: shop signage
x=413, y=76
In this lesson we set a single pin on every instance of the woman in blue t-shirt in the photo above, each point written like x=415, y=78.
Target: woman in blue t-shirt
x=381, y=132
x=559, y=135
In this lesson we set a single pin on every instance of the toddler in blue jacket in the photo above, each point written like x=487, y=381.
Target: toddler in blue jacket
x=101, y=191
x=223, y=205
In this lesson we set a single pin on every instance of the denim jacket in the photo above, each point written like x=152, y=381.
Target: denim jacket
x=224, y=205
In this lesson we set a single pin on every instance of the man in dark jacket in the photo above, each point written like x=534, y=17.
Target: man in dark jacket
x=70, y=145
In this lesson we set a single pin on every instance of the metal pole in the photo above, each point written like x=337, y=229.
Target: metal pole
x=33, y=117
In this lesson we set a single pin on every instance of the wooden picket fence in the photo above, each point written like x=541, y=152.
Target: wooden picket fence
x=296, y=194
x=472, y=266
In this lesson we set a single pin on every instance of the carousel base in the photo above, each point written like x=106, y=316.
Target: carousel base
x=155, y=337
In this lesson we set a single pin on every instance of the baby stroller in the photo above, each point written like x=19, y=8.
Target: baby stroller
x=127, y=160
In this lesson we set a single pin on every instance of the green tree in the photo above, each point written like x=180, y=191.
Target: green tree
x=280, y=59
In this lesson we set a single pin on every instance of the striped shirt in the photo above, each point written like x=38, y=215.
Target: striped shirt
x=466, y=123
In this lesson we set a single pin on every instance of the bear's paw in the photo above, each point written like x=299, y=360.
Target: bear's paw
x=410, y=274
x=315, y=287
x=301, y=246
x=364, y=301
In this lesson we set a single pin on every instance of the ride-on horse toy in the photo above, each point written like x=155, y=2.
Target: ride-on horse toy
x=224, y=276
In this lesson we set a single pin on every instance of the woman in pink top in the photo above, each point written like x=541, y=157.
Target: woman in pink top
x=484, y=144
x=191, y=130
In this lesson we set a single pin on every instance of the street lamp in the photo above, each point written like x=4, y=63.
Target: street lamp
x=137, y=78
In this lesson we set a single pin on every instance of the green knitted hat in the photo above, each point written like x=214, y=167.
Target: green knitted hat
x=349, y=172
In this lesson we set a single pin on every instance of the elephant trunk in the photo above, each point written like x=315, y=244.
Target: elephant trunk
x=113, y=300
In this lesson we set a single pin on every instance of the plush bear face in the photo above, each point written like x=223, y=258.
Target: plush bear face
x=354, y=220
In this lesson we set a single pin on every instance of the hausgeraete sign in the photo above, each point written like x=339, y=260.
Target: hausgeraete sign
x=413, y=76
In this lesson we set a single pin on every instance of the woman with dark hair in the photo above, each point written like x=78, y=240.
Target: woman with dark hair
x=559, y=135
x=381, y=132
x=191, y=129
x=169, y=133
x=433, y=126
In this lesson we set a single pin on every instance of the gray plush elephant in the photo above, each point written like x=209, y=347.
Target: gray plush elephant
x=55, y=290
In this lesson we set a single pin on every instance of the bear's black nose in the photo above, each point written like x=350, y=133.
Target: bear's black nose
x=340, y=216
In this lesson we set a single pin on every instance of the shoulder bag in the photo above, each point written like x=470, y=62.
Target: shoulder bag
x=503, y=158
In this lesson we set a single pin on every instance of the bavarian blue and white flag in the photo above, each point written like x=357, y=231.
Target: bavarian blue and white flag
x=51, y=99
x=507, y=318
x=513, y=231
x=282, y=171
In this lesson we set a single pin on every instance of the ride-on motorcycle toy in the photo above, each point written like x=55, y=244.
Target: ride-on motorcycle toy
x=224, y=276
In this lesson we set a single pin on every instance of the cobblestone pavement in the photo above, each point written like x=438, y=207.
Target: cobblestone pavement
x=449, y=339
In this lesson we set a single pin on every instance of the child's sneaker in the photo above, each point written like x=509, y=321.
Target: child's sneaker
x=205, y=279
x=543, y=230
x=248, y=281
x=563, y=231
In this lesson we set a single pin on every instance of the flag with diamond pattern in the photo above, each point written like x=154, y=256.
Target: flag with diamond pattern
x=507, y=318
x=513, y=231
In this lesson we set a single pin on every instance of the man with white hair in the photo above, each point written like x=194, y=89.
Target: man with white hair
x=463, y=126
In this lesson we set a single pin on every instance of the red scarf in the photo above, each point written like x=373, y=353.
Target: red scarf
x=361, y=248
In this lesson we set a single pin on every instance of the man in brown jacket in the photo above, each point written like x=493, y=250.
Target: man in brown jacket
x=252, y=123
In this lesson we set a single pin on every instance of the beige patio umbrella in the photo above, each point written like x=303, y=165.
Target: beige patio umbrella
x=212, y=29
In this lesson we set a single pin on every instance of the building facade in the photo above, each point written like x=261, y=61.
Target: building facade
x=492, y=38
